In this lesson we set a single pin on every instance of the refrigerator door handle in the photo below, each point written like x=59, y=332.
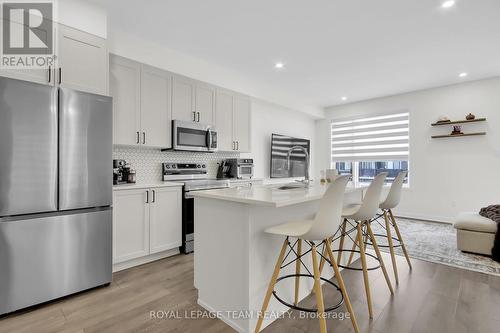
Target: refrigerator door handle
x=60, y=75
x=147, y=196
x=154, y=196
x=143, y=138
x=138, y=137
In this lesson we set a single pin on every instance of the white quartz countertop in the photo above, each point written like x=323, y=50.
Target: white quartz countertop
x=145, y=185
x=269, y=195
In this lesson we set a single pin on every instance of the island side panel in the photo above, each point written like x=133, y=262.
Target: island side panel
x=221, y=270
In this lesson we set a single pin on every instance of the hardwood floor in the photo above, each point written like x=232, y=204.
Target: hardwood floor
x=432, y=298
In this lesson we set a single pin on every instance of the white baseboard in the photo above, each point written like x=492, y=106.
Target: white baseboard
x=144, y=260
x=224, y=318
x=423, y=217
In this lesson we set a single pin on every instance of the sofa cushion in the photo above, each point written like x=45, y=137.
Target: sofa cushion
x=475, y=222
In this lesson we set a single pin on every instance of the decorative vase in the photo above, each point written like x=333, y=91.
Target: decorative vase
x=457, y=130
x=470, y=116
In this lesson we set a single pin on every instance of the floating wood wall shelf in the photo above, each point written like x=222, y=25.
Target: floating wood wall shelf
x=458, y=122
x=457, y=135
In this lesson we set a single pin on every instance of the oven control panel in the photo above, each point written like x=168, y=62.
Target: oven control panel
x=177, y=171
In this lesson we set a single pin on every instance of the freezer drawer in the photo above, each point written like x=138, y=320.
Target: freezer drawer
x=28, y=147
x=52, y=256
x=85, y=156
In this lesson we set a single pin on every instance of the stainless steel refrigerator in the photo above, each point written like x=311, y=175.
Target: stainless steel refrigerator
x=55, y=192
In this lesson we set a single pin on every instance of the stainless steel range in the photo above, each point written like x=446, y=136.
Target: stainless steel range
x=195, y=178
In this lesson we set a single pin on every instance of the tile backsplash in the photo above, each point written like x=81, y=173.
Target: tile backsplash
x=147, y=161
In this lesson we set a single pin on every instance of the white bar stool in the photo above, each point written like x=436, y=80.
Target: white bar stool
x=361, y=214
x=319, y=229
x=391, y=201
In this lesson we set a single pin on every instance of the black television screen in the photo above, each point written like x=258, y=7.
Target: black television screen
x=280, y=146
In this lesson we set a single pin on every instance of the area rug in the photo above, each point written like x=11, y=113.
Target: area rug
x=437, y=242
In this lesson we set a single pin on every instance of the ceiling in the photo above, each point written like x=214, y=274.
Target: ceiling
x=360, y=49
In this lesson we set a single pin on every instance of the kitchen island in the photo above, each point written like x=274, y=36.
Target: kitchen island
x=234, y=258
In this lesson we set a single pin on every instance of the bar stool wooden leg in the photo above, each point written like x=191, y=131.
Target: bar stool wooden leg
x=365, y=272
x=319, y=292
x=297, y=271
x=379, y=255
x=271, y=286
x=354, y=245
x=396, y=228
x=342, y=287
x=342, y=238
x=321, y=266
x=391, y=247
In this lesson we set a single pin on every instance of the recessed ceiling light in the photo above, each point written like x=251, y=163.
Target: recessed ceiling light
x=463, y=74
x=448, y=4
x=344, y=98
x=279, y=65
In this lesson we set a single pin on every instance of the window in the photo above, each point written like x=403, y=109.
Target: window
x=364, y=147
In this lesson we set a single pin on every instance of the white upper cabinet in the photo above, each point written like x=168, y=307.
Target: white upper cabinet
x=224, y=119
x=82, y=61
x=165, y=219
x=183, y=99
x=192, y=101
x=155, y=107
x=233, y=117
x=141, y=103
x=241, y=122
x=125, y=77
x=147, y=99
x=205, y=103
x=43, y=75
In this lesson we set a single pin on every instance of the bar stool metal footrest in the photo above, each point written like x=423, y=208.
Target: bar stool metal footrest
x=355, y=268
x=329, y=309
x=394, y=239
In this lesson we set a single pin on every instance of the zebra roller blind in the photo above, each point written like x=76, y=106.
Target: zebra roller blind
x=377, y=138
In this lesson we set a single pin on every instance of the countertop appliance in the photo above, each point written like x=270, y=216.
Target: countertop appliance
x=55, y=193
x=122, y=173
x=194, y=176
x=190, y=136
x=240, y=168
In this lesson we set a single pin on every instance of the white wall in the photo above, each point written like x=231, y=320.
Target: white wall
x=447, y=175
x=268, y=118
x=82, y=15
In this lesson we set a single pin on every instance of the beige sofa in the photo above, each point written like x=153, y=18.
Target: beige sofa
x=475, y=233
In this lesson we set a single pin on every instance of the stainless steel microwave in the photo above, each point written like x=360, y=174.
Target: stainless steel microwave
x=189, y=136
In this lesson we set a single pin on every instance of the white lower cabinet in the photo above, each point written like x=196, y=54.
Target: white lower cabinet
x=146, y=222
x=165, y=219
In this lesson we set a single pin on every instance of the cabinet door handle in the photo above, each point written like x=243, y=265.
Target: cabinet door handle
x=237, y=145
x=138, y=137
x=154, y=196
x=143, y=138
x=194, y=116
x=233, y=145
x=50, y=74
x=60, y=75
x=147, y=196
x=198, y=116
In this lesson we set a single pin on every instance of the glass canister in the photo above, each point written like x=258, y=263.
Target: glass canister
x=132, y=177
